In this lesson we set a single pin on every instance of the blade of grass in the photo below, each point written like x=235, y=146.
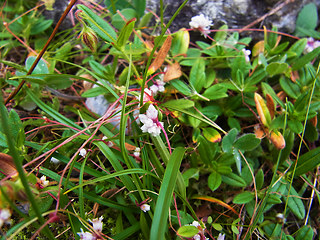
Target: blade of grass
x=165, y=195
x=113, y=175
x=88, y=195
x=18, y=163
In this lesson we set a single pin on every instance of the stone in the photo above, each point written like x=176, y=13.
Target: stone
x=235, y=13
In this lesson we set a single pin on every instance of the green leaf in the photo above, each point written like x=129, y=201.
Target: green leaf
x=125, y=33
x=295, y=126
x=305, y=232
x=140, y=6
x=58, y=81
x=307, y=162
x=163, y=203
x=308, y=17
x=298, y=47
x=93, y=92
x=117, y=20
x=259, y=179
x=301, y=62
x=187, y=231
x=228, y=140
x=234, y=180
x=295, y=203
x=267, y=89
x=104, y=72
x=40, y=26
x=290, y=88
x=181, y=87
x=247, y=142
x=214, y=181
x=41, y=67
x=182, y=103
x=190, y=173
x=243, y=198
x=216, y=91
x=275, y=68
x=198, y=75
x=100, y=26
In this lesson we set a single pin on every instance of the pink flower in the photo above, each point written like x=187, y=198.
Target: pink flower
x=311, y=45
x=86, y=235
x=151, y=122
x=147, y=96
x=97, y=224
x=157, y=87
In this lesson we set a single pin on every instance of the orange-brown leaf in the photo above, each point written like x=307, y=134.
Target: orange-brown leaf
x=270, y=105
x=7, y=166
x=173, y=72
x=161, y=56
x=277, y=139
x=215, y=200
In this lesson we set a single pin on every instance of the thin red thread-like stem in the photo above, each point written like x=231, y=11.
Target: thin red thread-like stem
x=55, y=30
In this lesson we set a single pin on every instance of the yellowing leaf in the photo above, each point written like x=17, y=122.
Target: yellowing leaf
x=258, y=48
x=262, y=110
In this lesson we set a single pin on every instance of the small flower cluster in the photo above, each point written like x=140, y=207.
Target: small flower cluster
x=83, y=152
x=96, y=225
x=200, y=235
x=158, y=86
x=145, y=207
x=5, y=215
x=201, y=23
x=311, y=45
x=151, y=122
x=149, y=93
x=136, y=152
x=246, y=54
x=43, y=181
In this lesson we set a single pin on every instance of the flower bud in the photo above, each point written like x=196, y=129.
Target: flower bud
x=262, y=110
x=89, y=38
x=277, y=139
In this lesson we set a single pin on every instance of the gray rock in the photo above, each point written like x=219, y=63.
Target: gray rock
x=235, y=13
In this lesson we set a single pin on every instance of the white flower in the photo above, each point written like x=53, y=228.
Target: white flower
x=201, y=23
x=43, y=181
x=311, y=45
x=97, y=224
x=200, y=235
x=196, y=237
x=246, y=54
x=145, y=207
x=196, y=224
x=5, y=215
x=151, y=122
x=136, y=152
x=147, y=96
x=83, y=152
x=104, y=138
x=157, y=87
x=221, y=236
x=54, y=160
x=86, y=235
